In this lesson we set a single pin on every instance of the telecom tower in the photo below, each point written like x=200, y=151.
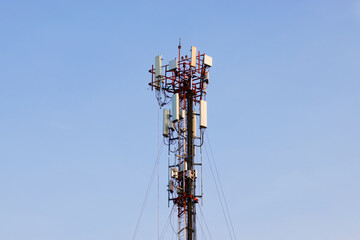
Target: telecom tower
x=183, y=82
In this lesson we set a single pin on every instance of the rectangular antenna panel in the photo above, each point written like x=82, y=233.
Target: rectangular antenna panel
x=208, y=60
x=183, y=166
x=191, y=174
x=171, y=186
x=205, y=87
x=174, y=172
x=193, y=56
x=175, y=107
x=173, y=64
x=158, y=66
x=207, y=76
x=182, y=114
x=194, y=124
x=203, y=114
x=166, y=122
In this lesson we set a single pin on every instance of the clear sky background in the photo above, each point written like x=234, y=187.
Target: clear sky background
x=78, y=124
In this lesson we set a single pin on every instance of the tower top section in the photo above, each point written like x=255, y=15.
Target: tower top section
x=181, y=75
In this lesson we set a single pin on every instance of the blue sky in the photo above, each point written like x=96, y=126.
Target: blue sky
x=78, y=124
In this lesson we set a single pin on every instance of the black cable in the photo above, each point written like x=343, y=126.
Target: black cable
x=205, y=223
x=147, y=194
x=167, y=223
x=217, y=189
x=221, y=188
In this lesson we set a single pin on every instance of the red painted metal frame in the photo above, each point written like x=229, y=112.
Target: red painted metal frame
x=177, y=81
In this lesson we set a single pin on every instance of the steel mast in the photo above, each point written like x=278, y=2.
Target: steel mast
x=183, y=82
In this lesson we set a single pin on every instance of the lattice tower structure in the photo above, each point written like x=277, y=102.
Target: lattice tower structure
x=183, y=82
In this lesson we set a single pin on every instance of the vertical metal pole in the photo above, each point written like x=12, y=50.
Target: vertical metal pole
x=202, y=187
x=190, y=162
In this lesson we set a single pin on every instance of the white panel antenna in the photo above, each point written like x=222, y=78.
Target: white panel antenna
x=183, y=167
x=191, y=174
x=203, y=114
x=193, y=56
x=207, y=60
x=173, y=64
x=182, y=114
x=175, y=107
x=166, y=122
x=171, y=186
x=158, y=65
x=174, y=172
